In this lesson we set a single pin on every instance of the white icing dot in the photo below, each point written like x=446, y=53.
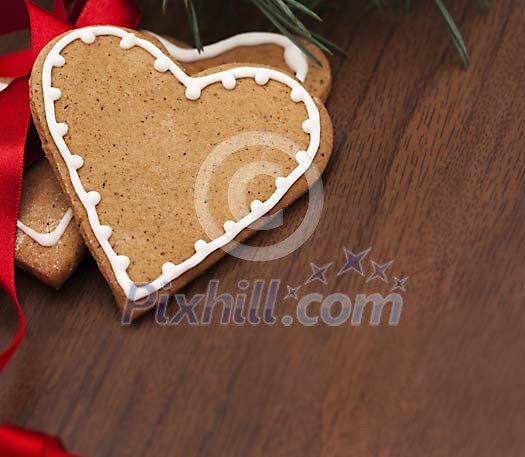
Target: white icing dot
x=169, y=269
x=62, y=128
x=88, y=36
x=105, y=231
x=280, y=182
x=193, y=92
x=162, y=64
x=229, y=226
x=57, y=60
x=296, y=95
x=200, y=246
x=262, y=77
x=301, y=156
x=123, y=261
x=228, y=81
x=93, y=197
x=76, y=161
x=257, y=207
x=54, y=93
x=128, y=41
x=308, y=126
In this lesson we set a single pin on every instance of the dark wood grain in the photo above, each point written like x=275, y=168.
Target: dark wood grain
x=428, y=169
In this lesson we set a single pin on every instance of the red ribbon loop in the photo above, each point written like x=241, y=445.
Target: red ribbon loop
x=123, y=13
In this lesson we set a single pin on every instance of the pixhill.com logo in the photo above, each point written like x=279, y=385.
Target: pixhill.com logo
x=338, y=308
x=257, y=303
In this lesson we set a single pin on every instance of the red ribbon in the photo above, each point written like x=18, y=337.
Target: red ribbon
x=15, y=115
x=16, y=442
x=14, y=121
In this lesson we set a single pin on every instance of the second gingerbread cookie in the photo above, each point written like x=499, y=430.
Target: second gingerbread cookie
x=257, y=48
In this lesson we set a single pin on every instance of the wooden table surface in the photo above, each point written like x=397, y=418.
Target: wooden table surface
x=428, y=170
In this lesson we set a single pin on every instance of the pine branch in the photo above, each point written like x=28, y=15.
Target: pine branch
x=283, y=15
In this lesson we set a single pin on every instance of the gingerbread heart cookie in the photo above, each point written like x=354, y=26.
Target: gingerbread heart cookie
x=162, y=169
x=261, y=48
x=48, y=243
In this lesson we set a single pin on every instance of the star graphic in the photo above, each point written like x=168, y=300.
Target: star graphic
x=292, y=292
x=353, y=261
x=400, y=284
x=318, y=273
x=379, y=271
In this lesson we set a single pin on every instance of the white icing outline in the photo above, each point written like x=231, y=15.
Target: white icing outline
x=194, y=86
x=50, y=238
x=293, y=56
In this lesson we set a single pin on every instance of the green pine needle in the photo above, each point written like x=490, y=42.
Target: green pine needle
x=455, y=34
x=270, y=15
x=304, y=9
x=194, y=23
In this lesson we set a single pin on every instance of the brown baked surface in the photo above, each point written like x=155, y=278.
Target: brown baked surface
x=42, y=207
x=318, y=79
x=143, y=143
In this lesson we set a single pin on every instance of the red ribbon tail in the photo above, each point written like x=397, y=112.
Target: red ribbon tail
x=14, y=118
x=15, y=113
